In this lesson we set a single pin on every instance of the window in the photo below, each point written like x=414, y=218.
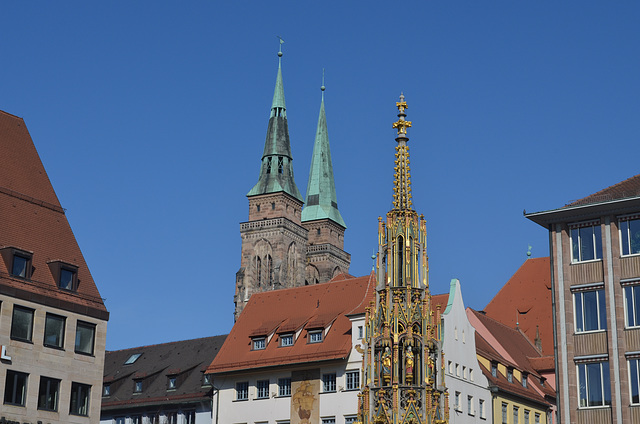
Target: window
x=456, y=402
x=494, y=369
x=171, y=382
x=263, y=389
x=259, y=344
x=524, y=380
x=21, y=266
x=106, y=390
x=48, y=394
x=79, y=399
x=137, y=386
x=516, y=414
x=509, y=375
x=450, y=367
x=481, y=408
x=67, y=279
x=85, y=334
x=464, y=372
x=351, y=419
x=470, y=374
x=632, y=304
x=329, y=382
x=594, y=387
x=630, y=235
x=15, y=388
x=280, y=164
x=537, y=418
x=330, y=420
x=470, y=410
x=526, y=416
x=360, y=332
x=206, y=380
x=22, y=323
x=286, y=340
x=284, y=387
x=634, y=380
x=504, y=413
x=586, y=242
x=54, y=330
x=590, y=310
x=458, y=370
x=242, y=390
x=353, y=380
x=315, y=336
x=133, y=358
x=189, y=417
x=268, y=170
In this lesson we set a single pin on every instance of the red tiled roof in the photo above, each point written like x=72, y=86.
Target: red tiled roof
x=627, y=188
x=527, y=298
x=33, y=221
x=327, y=303
x=543, y=363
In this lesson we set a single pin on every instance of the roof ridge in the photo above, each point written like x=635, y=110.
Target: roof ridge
x=366, y=292
x=166, y=343
x=12, y=115
x=599, y=192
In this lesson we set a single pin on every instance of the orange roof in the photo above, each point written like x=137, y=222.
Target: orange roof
x=33, y=221
x=624, y=189
x=527, y=298
x=302, y=308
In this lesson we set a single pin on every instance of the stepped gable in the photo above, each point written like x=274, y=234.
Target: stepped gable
x=296, y=310
x=33, y=221
x=187, y=360
x=527, y=298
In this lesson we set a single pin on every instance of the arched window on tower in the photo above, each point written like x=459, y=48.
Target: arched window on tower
x=292, y=262
x=280, y=164
x=400, y=260
x=259, y=270
x=270, y=270
x=269, y=165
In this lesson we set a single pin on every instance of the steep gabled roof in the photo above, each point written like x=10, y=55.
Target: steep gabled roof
x=186, y=360
x=622, y=190
x=300, y=309
x=33, y=221
x=527, y=298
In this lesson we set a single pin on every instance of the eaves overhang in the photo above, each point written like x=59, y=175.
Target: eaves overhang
x=251, y=366
x=582, y=212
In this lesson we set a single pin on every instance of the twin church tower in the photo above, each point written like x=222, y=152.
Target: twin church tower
x=283, y=244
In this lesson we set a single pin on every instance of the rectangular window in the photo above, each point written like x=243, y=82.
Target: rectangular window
x=470, y=374
x=106, y=389
x=504, y=413
x=54, y=330
x=470, y=410
x=360, y=332
x=21, y=266
x=351, y=419
x=526, y=416
x=171, y=383
x=590, y=310
x=15, y=388
x=456, y=402
x=329, y=382
x=634, y=380
x=353, y=380
x=263, y=389
x=586, y=242
x=509, y=375
x=137, y=386
x=494, y=369
x=48, y=393
x=259, y=344
x=286, y=340
x=284, y=387
x=315, y=336
x=79, y=399
x=189, y=417
x=632, y=305
x=537, y=418
x=22, y=323
x=67, y=279
x=630, y=236
x=458, y=370
x=594, y=386
x=516, y=415
x=481, y=408
x=242, y=390
x=329, y=420
x=524, y=380
x=85, y=335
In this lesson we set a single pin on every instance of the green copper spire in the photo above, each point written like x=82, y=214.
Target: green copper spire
x=321, y=200
x=276, y=170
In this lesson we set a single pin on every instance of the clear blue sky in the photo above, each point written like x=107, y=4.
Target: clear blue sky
x=150, y=118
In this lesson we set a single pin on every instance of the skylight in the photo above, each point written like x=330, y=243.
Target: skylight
x=133, y=358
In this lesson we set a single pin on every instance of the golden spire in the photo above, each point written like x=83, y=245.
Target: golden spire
x=402, y=176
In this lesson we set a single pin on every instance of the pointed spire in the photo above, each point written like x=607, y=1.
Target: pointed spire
x=321, y=200
x=276, y=171
x=402, y=178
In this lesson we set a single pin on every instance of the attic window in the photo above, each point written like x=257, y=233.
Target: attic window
x=21, y=266
x=510, y=375
x=171, y=383
x=315, y=336
x=206, y=380
x=494, y=369
x=137, y=386
x=286, y=340
x=106, y=390
x=67, y=279
x=259, y=343
x=133, y=358
x=524, y=380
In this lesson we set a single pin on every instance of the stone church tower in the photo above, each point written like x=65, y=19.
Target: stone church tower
x=403, y=364
x=276, y=250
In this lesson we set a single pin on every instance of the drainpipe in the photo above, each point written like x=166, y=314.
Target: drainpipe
x=555, y=333
x=217, y=395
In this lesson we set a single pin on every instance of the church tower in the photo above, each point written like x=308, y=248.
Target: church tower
x=325, y=253
x=403, y=364
x=274, y=243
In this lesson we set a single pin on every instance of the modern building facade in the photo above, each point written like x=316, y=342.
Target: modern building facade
x=403, y=361
x=160, y=384
x=595, y=267
x=294, y=356
x=283, y=245
x=53, y=322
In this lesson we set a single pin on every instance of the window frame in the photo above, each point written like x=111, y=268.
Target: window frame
x=352, y=379
x=47, y=393
x=138, y=385
x=31, y=313
x=259, y=343
x=81, y=394
x=470, y=411
x=633, y=367
x=242, y=387
x=630, y=287
x=19, y=382
x=457, y=404
x=262, y=389
x=172, y=382
x=27, y=257
x=316, y=336
x=73, y=272
x=86, y=326
x=329, y=383
x=284, y=387
x=288, y=336
x=580, y=318
x=63, y=320
x=628, y=237
x=481, y=409
x=605, y=383
x=576, y=239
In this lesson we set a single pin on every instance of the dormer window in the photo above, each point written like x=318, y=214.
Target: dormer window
x=206, y=380
x=494, y=369
x=137, y=386
x=259, y=343
x=18, y=261
x=171, y=382
x=106, y=390
x=286, y=340
x=315, y=336
x=524, y=380
x=67, y=279
x=65, y=274
x=510, y=375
